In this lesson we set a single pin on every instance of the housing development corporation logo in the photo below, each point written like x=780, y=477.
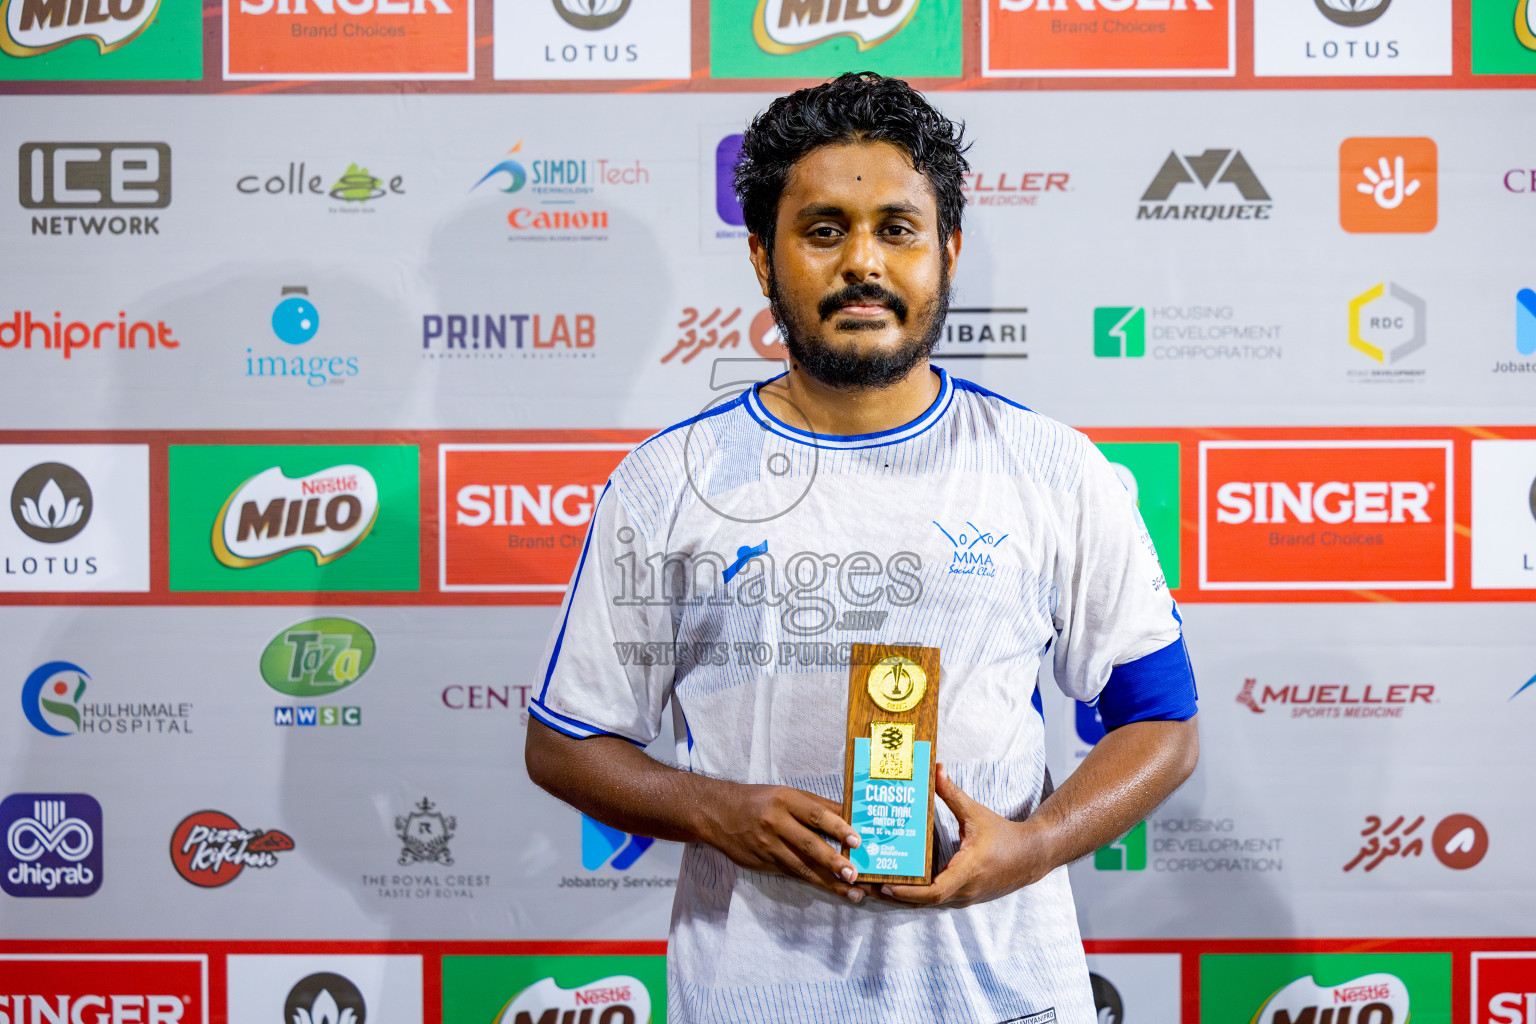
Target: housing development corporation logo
x=1119, y=331
x=1183, y=333
x=93, y=988
x=1107, y=37
x=1224, y=174
x=210, y=849
x=325, y=998
x=1128, y=853
x=1388, y=185
x=53, y=845
x=348, y=39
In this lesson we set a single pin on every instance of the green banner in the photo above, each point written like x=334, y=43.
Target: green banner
x=824, y=38
x=1503, y=37
x=1312, y=988
x=58, y=42
x=540, y=989
x=1155, y=468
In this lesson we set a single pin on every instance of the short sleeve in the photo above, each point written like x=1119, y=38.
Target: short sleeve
x=606, y=668
x=1119, y=638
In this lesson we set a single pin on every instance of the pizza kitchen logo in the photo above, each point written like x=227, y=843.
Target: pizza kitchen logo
x=328, y=514
x=619, y=999
x=210, y=849
x=33, y=27
x=789, y=26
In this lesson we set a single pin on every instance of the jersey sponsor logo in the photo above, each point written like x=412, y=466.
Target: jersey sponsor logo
x=515, y=516
x=327, y=513
x=1325, y=515
x=1504, y=988
x=1108, y=37
x=149, y=989
x=1370, y=999
x=618, y=999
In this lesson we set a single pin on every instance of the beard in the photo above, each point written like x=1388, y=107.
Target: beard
x=848, y=368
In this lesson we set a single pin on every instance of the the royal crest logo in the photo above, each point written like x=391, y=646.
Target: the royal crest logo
x=210, y=849
x=425, y=832
x=619, y=999
x=326, y=513
x=789, y=26
x=32, y=27
x=1375, y=998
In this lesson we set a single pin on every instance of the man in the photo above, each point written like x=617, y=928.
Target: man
x=734, y=544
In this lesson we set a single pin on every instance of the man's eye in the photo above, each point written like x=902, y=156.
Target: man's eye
x=897, y=229
x=824, y=232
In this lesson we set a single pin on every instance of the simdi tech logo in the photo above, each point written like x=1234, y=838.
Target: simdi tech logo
x=1325, y=515
x=1504, y=988
x=821, y=38
x=53, y=845
x=294, y=517
x=515, y=516
x=1388, y=185
x=94, y=988
x=60, y=40
x=1108, y=38
x=537, y=989
x=1360, y=988
x=1205, y=187
x=1352, y=37
x=123, y=178
x=355, y=40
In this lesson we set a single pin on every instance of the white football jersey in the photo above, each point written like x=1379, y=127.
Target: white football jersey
x=731, y=562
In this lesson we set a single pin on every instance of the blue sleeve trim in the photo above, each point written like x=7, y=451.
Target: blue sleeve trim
x=581, y=564
x=572, y=727
x=1159, y=687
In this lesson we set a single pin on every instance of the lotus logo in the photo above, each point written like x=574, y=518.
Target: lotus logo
x=31, y=27
x=325, y=998
x=789, y=26
x=623, y=999
x=51, y=502
x=1353, y=13
x=591, y=15
x=326, y=513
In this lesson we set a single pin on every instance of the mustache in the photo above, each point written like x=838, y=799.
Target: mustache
x=867, y=293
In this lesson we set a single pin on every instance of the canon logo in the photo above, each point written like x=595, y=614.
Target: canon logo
x=1362, y=501
x=109, y=1009
x=570, y=505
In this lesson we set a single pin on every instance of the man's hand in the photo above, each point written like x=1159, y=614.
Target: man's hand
x=779, y=829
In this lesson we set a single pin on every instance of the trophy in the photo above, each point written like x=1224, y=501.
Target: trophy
x=893, y=719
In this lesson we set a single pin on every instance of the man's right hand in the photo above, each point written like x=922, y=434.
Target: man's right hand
x=780, y=829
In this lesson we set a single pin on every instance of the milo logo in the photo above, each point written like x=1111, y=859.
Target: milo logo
x=31, y=27
x=326, y=513
x=1370, y=999
x=619, y=999
x=317, y=657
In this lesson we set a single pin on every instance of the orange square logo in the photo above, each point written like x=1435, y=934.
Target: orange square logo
x=1048, y=38
x=514, y=517
x=348, y=39
x=1388, y=185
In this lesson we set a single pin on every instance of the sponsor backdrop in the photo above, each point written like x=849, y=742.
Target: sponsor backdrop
x=324, y=322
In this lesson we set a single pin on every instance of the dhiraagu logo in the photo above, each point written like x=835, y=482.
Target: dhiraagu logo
x=317, y=658
x=1128, y=853
x=1150, y=472
x=554, y=989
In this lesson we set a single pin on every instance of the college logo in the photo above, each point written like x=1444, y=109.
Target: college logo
x=1108, y=37
x=1459, y=841
x=515, y=515
x=1128, y=853
x=1388, y=185
x=1387, y=322
x=52, y=844
x=425, y=833
x=1374, y=998
x=1503, y=514
x=1325, y=515
x=355, y=189
x=1214, y=167
x=1504, y=988
x=317, y=657
x=619, y=999
x=349, y=39
x=210, y=849
x=325, y=998
x=51, y=502
x=93, y=988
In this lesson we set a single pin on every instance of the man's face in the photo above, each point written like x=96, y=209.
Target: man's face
x=857, y=278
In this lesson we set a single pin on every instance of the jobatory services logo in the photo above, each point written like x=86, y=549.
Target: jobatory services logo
x=79, y=517
x=515, y=516
x=1503, y=37
x=1504, y=988
x=1387, y=323
x=1184, y=333
x=1368, y=988
x=1223, y=175
x=1325, y=515
x=43, y=40
x=152, y=988
x=1352, y=37
x=293, y=517
x=53, y=845
x=1108, y=38
x=1459, y=841
x=53, y=700
x=355, y=40
x=1314, y=700
x=607, y=39
x=98, y=176
x=1388, y=185
x=516, y=989
x=816, y=38
x=605, y=846
x=1504, y=514
x=210, y=849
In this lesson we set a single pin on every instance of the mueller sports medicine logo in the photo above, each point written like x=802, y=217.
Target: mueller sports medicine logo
x=1344, y=700
x=32, y=27
x=993, y=188
x=210, y=849
x=1223, y=174
x=620, y=999
x=789, y=26
x=97, y=988
x=1325, y=515
x=52, y=845
x=1504, y=988
x=1372, y=999
x=130, y=176
x=515, y=516
x=326, y=513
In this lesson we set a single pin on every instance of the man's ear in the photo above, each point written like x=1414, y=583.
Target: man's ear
x=761, y=261
x=952, y=246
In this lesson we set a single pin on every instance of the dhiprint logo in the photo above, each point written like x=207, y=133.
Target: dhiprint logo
x=1374, y=998
x=325, y=998
x=1128, y=853
x=602, y=845
x=210, y=849
x=620, y=999
x=326, y=513
x=1387, y=322
x=51, y=502
x=52, y=845
x=425, y=833
x=69, y=337
x=591, y=15
x=33, y=27
x=973, y=548
x=1213, y=167
x=1388, y=185
x=50, y=698
x=1119, y=331
x=789, y=26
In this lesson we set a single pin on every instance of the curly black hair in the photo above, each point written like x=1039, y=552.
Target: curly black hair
x=859, y=106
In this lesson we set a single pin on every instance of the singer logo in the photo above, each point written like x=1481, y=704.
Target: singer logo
x=1325, y=515
x=1108, y=37
x=1504, y=988
x=348, y=39
x=515, y=515
x=94, y=988
x=326, y=513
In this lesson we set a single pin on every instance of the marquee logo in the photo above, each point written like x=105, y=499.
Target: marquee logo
x=620, y=999
x=325, y=998
x=96, y=988
x=31, y=27
x=515, y=516
x=1108, y=37
x=52, y=845
x=51, y=502
x=1325, y=515
x=789, y=26
x=210, y=849
x=1374, y=999
x=1213, y=167
x=591, y=15
x=326, y=513
x=317, y=657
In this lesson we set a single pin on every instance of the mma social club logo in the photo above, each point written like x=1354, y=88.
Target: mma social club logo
x=275, y=517
x=97, y=988
x=211, y=849
x=52, y=845
x=1325, y=515
x=1045, y=38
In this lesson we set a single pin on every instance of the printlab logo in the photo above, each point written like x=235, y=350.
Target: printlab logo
x=1388, y=185
x=496, y=335
x=603, y=845
x=210, y=849
x=1387, y=322
x=51, y=502
x=94, y=176
x=1214, y=167
x=325, y=998
x=425, y=833
x=1119, y=331
x=52, y=845
x=1459, y=841
x=1128, y=853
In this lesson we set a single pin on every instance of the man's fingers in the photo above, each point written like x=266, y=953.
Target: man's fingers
x=823, y=815
x=792, y=864
x=814, y=850
x=953, y=796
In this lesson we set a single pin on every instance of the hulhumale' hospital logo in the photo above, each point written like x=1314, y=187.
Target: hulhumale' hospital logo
x=51, y=502
x=50, y=698
x=52, y=844
x=326, y=513
x=789, y=26
x=32, y=27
